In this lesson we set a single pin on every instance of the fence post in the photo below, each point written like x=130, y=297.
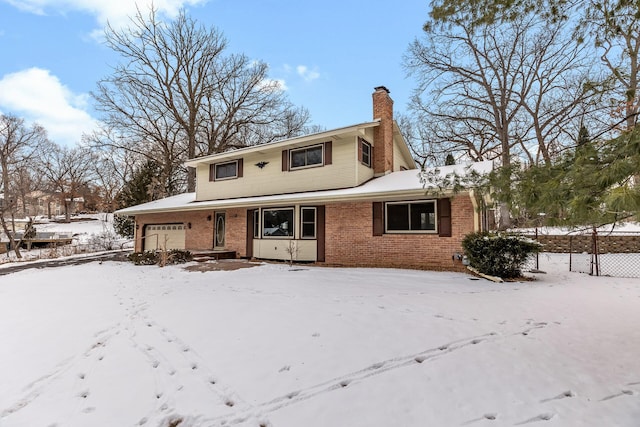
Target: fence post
x=594, y=253
x=570, y=252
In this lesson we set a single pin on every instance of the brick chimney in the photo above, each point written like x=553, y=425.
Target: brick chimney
x=383, y=134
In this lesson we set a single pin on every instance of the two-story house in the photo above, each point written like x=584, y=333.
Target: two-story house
x=349, y=196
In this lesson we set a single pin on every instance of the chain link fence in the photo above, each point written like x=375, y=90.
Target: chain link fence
x=600, y=253
x=615, y=254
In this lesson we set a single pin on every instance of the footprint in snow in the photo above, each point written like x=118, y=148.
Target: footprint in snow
x=562, y=395
x=542, y=417
x=622, y=393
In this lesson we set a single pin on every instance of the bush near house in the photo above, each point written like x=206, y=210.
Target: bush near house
x=173, y=256
x=499, y=254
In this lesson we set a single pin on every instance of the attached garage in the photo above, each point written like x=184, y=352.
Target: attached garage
x=169, y=236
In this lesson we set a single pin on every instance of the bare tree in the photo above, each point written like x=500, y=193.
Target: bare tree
x=614, y=27
x=67, y=172
x=497, y=91
x=18, y=145
x=178, y=93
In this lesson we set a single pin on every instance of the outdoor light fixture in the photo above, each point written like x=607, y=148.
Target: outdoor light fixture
x=262, y=164
x=208, y=217
x=189, y=225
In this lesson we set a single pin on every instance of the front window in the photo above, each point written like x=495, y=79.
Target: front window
x=411, y=217
x=277, y=222
x=226, y=170
x=305, y=157
x=308, y=225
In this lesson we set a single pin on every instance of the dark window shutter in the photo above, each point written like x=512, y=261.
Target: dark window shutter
x=212, y=172
x=327, y=153
x=320, y=233
x=444, y=217
x=360, y=150
x=249, y=248
x=378, y=218
x=285, y=160
x=239, y=170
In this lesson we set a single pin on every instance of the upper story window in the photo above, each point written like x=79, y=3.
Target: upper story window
x=226, y=170
x=407, y=217
x=365, y=151
x=306, y=157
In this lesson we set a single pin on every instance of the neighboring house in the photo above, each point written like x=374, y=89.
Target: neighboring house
x=349, y=196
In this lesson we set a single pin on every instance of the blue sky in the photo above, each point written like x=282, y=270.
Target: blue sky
x=330, y=55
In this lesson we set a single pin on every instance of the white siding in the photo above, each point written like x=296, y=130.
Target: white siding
x=303, y=250
x=272, y=180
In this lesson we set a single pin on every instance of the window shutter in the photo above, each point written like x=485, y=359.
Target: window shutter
x=239, y=170
x=285, y=160
x=378, y=218
x=212, y=172
x=360, y=150
x=320, y=234
x=249, y=248
x=444, y=217
x=327, y=153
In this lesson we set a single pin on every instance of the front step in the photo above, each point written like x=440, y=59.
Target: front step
x=213, y=255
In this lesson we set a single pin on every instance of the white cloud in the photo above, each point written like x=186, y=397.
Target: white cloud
x=307, y=74
x=38, y=96
x=114, y=11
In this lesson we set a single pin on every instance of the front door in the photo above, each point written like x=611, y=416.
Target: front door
x=219, y=231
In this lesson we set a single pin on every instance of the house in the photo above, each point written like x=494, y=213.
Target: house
x=350, y=196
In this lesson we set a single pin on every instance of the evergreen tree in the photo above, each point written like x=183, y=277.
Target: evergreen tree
x=593, y=185
x=449, y=161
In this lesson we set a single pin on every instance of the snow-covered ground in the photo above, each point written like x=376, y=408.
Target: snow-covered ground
x=91, y=233
x=112, y=344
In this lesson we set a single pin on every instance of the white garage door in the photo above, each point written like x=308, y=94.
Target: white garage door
x=157, y=235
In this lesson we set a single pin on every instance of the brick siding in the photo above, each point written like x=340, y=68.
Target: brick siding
x=350, y=240
x=349, y=236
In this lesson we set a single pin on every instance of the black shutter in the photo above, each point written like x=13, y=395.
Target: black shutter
x=444, y=217
x=327, y=153
x=285, y=160
x=239, y=171
x=320, y=233
x=378, y=218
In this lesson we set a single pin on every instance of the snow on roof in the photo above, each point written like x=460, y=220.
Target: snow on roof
x=395, y=184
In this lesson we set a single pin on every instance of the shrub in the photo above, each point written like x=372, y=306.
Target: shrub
x=179, y=256
x=173, y=256
x=144, y=258
x=499, y=254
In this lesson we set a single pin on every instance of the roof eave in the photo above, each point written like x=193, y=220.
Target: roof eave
x=279, y=144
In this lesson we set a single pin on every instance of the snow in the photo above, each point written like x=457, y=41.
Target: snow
x=111, y=344
x=91, y=233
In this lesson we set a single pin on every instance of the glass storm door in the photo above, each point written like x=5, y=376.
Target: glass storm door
x=220, y=225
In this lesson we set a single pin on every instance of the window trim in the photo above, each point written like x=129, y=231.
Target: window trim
x=315, y=165
x=215, y=171
x=293, y=222
x=434, y=202
x=315, y=222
